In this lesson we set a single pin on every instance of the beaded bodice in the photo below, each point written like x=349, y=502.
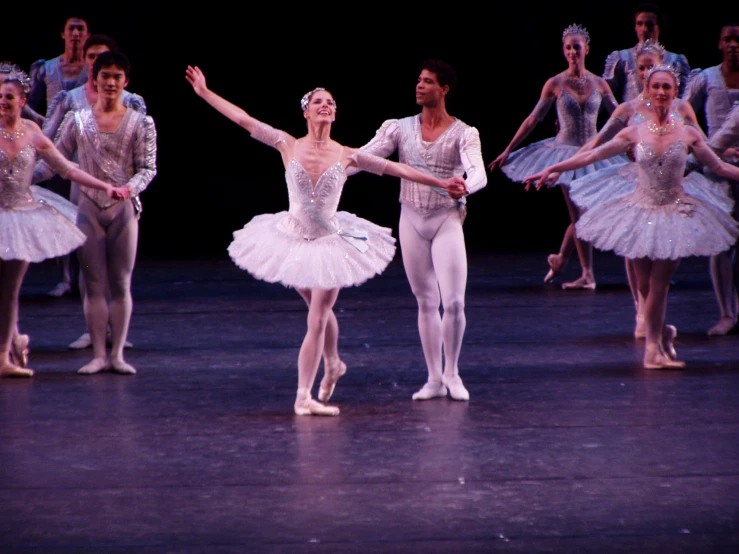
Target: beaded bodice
x=660, y=176
x=313, y=205
x=15, y=178
x=577, y=123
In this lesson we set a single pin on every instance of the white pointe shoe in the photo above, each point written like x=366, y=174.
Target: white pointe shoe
x=556, y=265
x=122, y=367
x=583, y=283
x=655, y=359
x=430, y=390
x=456, y=388
x=305, y=406
x=61, y=289
x=95, y=366
x=331, y=374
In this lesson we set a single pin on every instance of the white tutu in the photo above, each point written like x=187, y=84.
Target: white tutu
x=269, y=248
x=56, y=201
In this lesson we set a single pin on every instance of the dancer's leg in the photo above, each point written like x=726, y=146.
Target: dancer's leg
x=93, y=261
x=722, y=277
x=309, y=357
x=11, y=279
x=584, y=249
x=416, y=233
x=122, y=239
x=640, y=329
x=450, y=264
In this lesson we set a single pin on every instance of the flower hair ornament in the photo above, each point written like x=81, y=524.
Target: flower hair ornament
x=651, y=47
x=576, y=30
x=14, y=73
x=307, y=96
x=665, y=68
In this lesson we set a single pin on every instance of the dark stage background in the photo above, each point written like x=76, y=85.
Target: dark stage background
x=213, y=177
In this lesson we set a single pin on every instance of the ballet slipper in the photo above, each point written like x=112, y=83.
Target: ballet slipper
x=118, y=365
x=556, y=265
x=724, y=325
x=11, y=370
x=583, y=283
x=305, y=405
x=430, y=390
x=20, y=350
x=82, y=342
x=95, y=366
x=331, y=375
x=669, y=333
x=654, y=359
x=640, y=331
x=456, y=388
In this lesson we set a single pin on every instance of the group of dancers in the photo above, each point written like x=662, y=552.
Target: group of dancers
x=629, y=188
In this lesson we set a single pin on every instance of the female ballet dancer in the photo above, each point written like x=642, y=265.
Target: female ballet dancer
x=313, y=247
x=621, y=179
x=31, y=230
x=658, y=223
x=579, y=96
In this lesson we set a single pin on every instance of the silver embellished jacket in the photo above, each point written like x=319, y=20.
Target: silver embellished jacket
x=456, y=152
x=126, y=156
x=47, y=80
x=707, y=93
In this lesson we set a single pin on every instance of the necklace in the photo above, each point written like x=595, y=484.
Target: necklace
x=661, y=130
x=578, y=83
x=14, y=135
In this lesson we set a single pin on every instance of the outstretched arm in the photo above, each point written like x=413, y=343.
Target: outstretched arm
x=620, y=144
x=541, y=109
x=196, y=78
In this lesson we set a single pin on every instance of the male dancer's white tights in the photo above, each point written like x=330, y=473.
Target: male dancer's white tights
x=435, y=262
x=107, y=259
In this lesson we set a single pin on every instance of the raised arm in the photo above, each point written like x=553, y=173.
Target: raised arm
x=197, y=79
x=546, y=100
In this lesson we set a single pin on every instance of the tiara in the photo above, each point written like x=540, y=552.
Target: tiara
x=576, y=30
x=651, y=47
x=15, y=73
x=306, y=98
x=667, y=69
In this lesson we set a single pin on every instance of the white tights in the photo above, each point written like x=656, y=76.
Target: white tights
x=435, y=262
x=107, y=259
x=11, y=279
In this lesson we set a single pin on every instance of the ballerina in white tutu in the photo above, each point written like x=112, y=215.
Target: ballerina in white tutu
x=658, y=223
x=312, y=247
x=31, y=229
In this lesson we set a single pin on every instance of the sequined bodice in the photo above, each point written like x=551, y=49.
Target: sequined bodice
x=577, y=123
x=313, y=206
x=660, y=180
x=15, y=177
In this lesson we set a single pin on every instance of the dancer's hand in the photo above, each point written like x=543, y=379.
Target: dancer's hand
x=499, y=161
x=121, y=193
x=196, y=78
x=730, y=153
x=541, y=179
x=456, y=187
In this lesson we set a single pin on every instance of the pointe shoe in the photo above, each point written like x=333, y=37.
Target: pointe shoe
x=95, y=366
x=669, y=333
x=20, y=349
x=121, y=367
x=724, y=325
x=583, y=283
x=307, y=406
x=456, y=388
x=61, y=289
x=11, y=370
x=556, y=265
x=82, y=342
x=657, y=360
x=330, y=377
x=430, y=390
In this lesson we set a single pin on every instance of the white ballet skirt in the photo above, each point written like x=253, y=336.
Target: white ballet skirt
x=31, y=229
x=312, y=246
x=658, y=219
x=577, y=126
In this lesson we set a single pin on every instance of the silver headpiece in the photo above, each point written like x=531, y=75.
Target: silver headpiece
x=576, y=30
x=14, y=73
x=306, y=98
x=666, y=68
x=651, y=47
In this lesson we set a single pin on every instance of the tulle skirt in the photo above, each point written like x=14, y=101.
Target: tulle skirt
x=271, y=251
